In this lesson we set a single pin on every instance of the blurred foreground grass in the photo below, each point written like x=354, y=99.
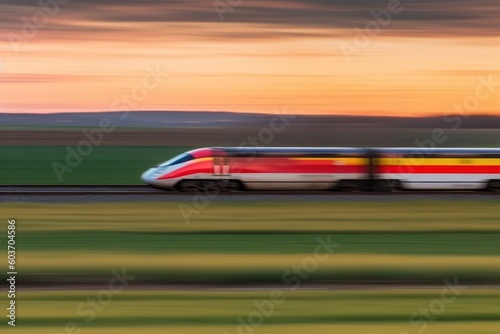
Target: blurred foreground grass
x=206, y=268
x=461, y=327
x=403, y=241
x=362, y=311
x=392, y=215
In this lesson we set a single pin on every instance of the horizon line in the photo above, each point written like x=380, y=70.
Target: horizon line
x=367, y=115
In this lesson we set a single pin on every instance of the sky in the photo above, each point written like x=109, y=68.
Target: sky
x=356, y=57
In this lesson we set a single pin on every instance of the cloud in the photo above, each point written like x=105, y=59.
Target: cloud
x=259, y=18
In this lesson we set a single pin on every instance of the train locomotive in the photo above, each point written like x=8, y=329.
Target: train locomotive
x=324, y=168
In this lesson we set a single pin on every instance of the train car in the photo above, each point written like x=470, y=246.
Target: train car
x=249, y=168
x=306, y=168
x=438, y=168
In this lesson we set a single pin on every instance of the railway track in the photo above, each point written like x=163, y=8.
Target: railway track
x=78, y=190
x=146, y=190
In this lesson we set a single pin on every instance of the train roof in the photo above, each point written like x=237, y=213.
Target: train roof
x=238, y=151
x=437, y=150
x=244, y=151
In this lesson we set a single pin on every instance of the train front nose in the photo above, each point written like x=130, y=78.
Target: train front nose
x=149, y=176
x=156, y=178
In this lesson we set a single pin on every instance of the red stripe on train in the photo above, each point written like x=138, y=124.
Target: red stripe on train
x=206, y=167
x=439, y=169
x=194, y=168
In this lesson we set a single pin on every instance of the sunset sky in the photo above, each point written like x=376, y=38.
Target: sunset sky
x=422, y=58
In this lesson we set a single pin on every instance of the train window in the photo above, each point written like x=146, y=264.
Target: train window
x=184, y=157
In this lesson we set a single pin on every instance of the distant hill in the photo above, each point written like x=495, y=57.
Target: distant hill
x=169, y=119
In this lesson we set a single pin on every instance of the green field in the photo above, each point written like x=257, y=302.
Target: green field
x=105, y=165
x=403, y=241
x=268, y=243
x=384, y=311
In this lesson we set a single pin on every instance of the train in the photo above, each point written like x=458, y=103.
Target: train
x=328, y=168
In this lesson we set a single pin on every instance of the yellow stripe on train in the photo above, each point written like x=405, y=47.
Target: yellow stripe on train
x=203, y=159
x=339, y=161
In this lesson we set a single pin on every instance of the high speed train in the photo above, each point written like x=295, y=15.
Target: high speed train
x=323, y=168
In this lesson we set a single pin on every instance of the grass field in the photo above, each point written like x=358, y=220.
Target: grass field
x=232, y=244
x=105, y=165
x=421, y=243
x=258, y=217
x=383, y=311
x=461, y=327
x=206, y=268
x=258, y=242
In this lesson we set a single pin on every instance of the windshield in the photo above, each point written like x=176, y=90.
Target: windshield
x=184, y=157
